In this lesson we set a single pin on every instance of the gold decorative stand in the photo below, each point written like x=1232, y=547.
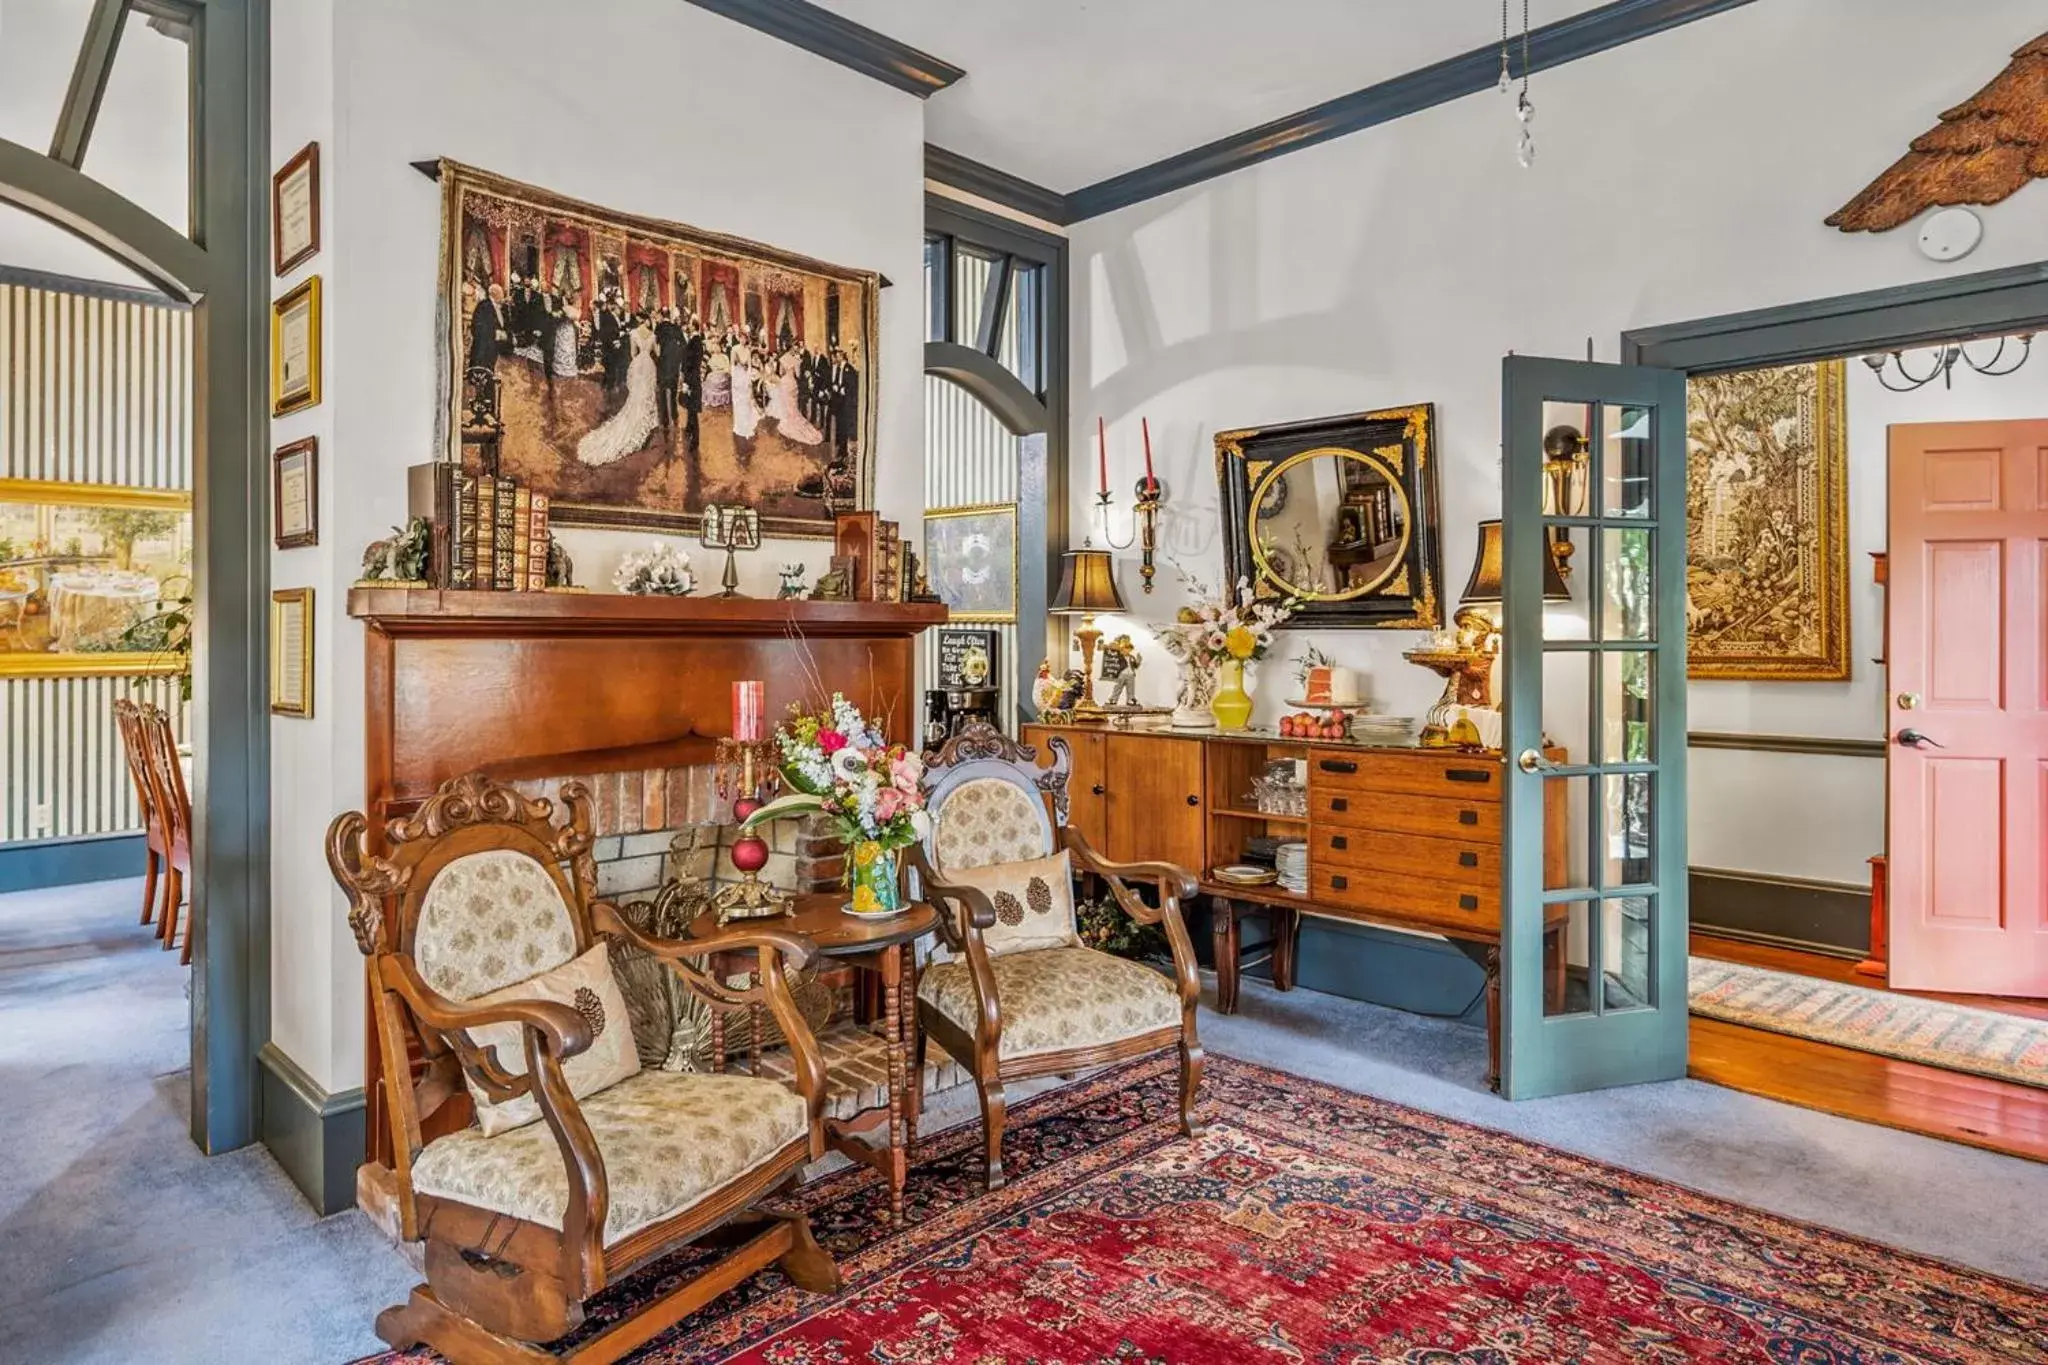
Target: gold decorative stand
x=1468, y=681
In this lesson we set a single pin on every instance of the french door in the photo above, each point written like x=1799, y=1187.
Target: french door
x=1593, y=935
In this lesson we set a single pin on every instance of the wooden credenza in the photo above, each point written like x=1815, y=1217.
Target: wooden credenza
x=1401, y=837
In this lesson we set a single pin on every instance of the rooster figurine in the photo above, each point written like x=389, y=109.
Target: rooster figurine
x=1055, y=695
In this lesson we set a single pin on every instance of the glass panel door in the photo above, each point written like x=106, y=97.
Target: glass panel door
x=1593, y=929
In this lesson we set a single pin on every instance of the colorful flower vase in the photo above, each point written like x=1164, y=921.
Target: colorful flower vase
x=872, y=879
x=1232, y=705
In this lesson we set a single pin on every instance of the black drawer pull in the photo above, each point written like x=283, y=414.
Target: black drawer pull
x=1468, y=902
x=1339, y=803
x=1339, y=841
x=1098, y=789
x=1468, y=775
x=1468, y=859
x=1468, y=817
x=1338, y=765
x=1339, y=883
x=1194, y=800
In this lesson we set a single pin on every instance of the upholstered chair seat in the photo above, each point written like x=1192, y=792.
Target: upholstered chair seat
x=1054, y=999
x=667, y=1138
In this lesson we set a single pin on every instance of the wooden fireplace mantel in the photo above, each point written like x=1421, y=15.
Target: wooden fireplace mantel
x=429, y=611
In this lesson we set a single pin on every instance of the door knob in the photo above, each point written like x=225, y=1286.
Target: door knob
x=1913, y=739
x=1533, y=761
x=1908, y=700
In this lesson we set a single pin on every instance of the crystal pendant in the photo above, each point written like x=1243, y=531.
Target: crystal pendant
x=1525, y=110
x=1525, y=150
x=1505, y=79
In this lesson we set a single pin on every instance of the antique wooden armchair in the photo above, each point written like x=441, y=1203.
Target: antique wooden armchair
x=1008, y=1015
x=522, y=1227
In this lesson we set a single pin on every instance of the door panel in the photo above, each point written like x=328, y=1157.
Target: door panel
x=1155, y=800
x=1968, y=712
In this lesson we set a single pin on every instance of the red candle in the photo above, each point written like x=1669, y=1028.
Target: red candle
x=749, y=710
x=1146, y=427
x=1101, y=457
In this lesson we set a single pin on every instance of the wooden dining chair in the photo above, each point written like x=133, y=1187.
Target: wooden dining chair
x=156, y=845
x=160, y=751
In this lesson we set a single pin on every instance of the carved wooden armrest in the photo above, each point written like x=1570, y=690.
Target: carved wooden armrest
x=564, y=1032
x=973, y=912
x=1175, y=884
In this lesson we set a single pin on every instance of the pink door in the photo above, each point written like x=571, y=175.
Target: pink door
x=1968, y=712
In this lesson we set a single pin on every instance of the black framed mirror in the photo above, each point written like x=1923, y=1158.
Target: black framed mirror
x=1340, y=513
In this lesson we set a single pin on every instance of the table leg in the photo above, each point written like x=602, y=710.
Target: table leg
x=1223, y=912
x=892, y=1031
x=1286, y=926
x=913, y=1050
x=1493, y=1018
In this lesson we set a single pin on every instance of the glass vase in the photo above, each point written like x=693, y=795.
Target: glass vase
x=871, y=877
x=1232, y=705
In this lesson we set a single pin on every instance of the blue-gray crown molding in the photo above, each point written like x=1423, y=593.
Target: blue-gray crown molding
x=1000, y=187
x=840, y=40
x=1567, y=40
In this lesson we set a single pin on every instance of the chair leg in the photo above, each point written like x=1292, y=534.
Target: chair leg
x=185, y=949
x=992, y=1114
x=808, y=1265
x=1190, y=1086
x=174, y=896
x=148, y=885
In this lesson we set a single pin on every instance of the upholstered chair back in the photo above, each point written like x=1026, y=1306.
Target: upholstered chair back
x=987, y=796
x=491, y=919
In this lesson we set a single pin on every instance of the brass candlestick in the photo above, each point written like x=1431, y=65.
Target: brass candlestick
x=1150, y=493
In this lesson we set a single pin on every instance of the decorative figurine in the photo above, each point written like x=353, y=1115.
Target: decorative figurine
x=1055, y=697
x=919, y=587
x=561, y=568
x=730, y=527
x=400, y=559
x=1120, y=664
x=836, y=583
x=660, y=570
x=792, y=582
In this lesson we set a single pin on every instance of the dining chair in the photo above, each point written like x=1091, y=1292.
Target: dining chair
x=160, y=748
x=156, y=846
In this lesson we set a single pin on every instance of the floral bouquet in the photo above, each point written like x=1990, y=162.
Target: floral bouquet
x=838, y=765
x=1228, y=629
x=660, y=570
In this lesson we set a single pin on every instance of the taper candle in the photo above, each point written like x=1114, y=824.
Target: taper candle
x=1146, y=426
x=749, y=710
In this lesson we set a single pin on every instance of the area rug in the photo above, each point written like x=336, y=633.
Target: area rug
x=1982, y=1042
x=1310, y=1224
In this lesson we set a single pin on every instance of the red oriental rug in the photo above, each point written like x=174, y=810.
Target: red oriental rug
x=1313, y=1225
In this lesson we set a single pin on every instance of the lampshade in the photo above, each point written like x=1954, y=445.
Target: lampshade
x=1485, y=585
x=1087, y=584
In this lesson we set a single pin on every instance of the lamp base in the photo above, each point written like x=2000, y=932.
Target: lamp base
x=1086, y=637
x=748, y=898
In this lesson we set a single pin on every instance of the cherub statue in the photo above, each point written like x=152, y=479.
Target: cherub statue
x=792, y=581
x=1120, y=664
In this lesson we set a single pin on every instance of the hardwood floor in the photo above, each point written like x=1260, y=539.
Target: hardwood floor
x=1974, y=1110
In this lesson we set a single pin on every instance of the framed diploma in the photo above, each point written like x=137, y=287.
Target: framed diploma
x=295, y=494
x=291, y=652
x=295, y=209
x=295, y=349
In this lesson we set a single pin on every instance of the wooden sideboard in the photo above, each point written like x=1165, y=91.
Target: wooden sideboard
x=1400, y=837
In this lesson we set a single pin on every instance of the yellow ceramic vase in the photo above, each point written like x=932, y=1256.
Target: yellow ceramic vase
x=1232, y=705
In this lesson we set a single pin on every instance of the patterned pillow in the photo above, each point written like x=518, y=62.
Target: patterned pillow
x=587, y=986
x=1034, y=903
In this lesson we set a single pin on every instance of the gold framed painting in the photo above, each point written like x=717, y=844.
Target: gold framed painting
x=638, y=371
x=971, y=560
x=1767, y=554
x=89, y=574
x=295, y=349
x=291, y=652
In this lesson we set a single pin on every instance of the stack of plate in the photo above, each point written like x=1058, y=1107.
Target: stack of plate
x=1383, y=729
x=1291, y=860
x=1244, y=874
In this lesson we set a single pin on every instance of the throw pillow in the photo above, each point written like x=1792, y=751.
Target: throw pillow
x=586, y=985
x=1034, y=903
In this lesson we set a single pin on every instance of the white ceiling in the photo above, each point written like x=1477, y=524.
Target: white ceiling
x=1069, y=92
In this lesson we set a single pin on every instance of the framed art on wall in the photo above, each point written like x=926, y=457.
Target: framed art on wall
x=295, y=349
x=644, y=370
x=971, y=560
x=291, y=652
x=1339, y=513
x=295, y=494
x=1767, y=553
x=295, y=210
x=89, y=574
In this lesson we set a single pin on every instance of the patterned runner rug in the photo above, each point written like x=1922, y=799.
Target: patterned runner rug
x=2005, y=1047
x=1310, y=1224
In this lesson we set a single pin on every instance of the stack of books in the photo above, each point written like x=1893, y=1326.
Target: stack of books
x=490, y=531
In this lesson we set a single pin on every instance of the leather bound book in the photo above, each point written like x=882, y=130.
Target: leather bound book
x=522, y=533
x=506, y=522
x=465, y=538
x=537, y=546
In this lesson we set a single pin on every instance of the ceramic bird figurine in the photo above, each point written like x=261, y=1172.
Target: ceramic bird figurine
x=1055, y=694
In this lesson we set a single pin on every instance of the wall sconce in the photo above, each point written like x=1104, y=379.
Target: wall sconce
x=1565, y=464
x=1149, y=494
x=1945, y=358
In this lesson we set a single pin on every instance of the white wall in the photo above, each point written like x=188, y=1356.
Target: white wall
x=1678, y=177
x=648, y=106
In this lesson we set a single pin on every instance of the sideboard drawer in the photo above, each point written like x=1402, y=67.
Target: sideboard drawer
x=1431, y=816
x=1408, y=898
x=1404, y=855
x=1459, y=777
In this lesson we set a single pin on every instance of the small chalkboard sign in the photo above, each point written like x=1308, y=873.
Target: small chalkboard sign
x=967, y=658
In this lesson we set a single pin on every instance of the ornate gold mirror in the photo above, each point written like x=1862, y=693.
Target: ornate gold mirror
x=1332, y=524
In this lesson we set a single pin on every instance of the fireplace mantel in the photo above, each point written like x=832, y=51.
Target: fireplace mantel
x=427, y=611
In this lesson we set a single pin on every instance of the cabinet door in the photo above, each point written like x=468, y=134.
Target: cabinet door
x=1087, y=805
x=1155, y=800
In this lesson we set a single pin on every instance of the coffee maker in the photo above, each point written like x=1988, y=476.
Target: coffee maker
x=948, y=709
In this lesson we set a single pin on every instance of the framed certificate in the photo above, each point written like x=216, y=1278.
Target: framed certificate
x=291, y=652
x=295, y=209
x=295, y=494
x=295, y=349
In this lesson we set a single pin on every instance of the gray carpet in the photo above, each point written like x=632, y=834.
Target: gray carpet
x=119, y=1243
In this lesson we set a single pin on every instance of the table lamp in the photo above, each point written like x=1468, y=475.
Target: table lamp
x=1087, y=585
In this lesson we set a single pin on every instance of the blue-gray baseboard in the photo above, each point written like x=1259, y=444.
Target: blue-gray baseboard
x=319, y=1138
x=31, y=864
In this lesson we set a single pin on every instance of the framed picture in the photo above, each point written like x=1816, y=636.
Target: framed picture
x=967, y=658
x=295, y=210
x=95, y=579
x=971, y=560
x=1339, y=513
x=644, y=370
x=295, y=349
x=291, y=652
x=295, y=494
x=1767, y=550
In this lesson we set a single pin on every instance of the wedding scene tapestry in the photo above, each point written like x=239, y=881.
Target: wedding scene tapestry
x=636, y=371
x=1767, y=561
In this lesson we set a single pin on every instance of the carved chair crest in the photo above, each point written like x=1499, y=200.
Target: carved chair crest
x=979, y=755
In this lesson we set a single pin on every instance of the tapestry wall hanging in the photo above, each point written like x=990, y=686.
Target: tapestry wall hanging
x=1767, y=561
x=637, y=371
